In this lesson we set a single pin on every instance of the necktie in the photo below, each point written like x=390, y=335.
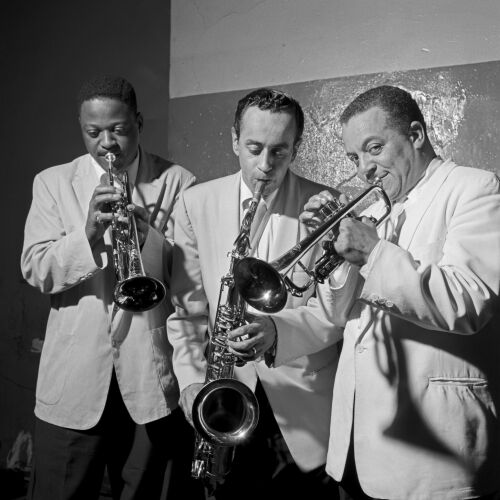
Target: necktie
x=258, y=225
x=396, y=221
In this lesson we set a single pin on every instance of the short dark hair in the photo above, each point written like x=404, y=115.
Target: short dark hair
x=397, y=103
x=110, y=87
x=272, y=100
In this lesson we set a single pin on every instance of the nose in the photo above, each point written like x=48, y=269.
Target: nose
x=265, y=163
x=107, y=139
x=366, y=168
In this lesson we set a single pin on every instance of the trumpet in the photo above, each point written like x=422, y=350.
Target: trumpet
x=265, y=285
x=134, y=290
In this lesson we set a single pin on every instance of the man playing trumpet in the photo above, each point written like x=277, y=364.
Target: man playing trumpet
x=106, y=393
x=417, y=392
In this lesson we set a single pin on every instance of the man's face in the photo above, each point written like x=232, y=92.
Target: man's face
x=109, y=125
x=265, y=147
x=378, y=149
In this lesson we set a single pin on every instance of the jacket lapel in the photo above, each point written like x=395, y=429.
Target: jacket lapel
x=84, y=182
x=416, y=211
x=228, y=208
x=149, y=188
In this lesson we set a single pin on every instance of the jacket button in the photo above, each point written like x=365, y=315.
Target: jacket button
x=360, y=349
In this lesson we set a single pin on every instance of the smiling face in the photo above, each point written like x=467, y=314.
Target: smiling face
x=266, y=147
x=380, y=149
x=109, y=125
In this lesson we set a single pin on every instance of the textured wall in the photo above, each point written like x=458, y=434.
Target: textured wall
x=461, y=105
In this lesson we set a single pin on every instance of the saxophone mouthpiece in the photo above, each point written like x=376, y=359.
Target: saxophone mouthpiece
x=259, y=189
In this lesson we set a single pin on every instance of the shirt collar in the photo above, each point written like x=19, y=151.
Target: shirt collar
x=132, y=169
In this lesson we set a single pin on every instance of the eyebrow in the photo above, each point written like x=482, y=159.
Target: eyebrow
x=273, y=146
x=370, y=138
x=96, y=125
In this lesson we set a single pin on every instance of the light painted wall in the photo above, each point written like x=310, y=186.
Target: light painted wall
x=223, y=45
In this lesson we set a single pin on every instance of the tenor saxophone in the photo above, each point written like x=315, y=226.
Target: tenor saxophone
x=225, y=411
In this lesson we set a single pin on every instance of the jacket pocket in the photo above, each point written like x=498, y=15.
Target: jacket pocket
x=55, y=363
x=461, y=413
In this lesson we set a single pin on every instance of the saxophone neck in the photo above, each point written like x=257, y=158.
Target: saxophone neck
x=242, y=242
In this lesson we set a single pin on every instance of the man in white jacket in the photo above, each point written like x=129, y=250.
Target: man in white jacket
x=417, y=391
x=285, y=456
x=106, y=393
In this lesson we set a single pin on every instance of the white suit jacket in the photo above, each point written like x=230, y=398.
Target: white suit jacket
x=207, y=223
x=82, y=343
x=419, y=373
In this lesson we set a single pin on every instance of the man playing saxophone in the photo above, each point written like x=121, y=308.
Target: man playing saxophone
x=106, y=394
x=285, y=455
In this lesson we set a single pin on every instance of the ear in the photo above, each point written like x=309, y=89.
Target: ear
x=296, y=147
x=417, y=134
x=235, y=142
x=140, y=121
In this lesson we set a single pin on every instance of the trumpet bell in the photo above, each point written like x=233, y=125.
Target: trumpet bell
x=225, y=412
x=139, y=293
x=260, y=285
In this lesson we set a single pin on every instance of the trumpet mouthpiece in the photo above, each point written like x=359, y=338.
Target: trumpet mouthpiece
x=110, y=157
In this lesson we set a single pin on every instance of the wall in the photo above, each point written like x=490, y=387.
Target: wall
x=222, y=45
x=47, y=50
x=324, y=53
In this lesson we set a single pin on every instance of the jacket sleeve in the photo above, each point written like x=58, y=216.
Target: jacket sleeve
x=54, y=259
x=456, y=288
x=183, y=181
x=187, y=326
x=311, y=327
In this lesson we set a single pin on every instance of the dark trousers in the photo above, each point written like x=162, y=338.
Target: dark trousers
x=141, y=460
x=263, y=467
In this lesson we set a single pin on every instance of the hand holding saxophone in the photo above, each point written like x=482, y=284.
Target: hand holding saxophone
x=251, y=341
x=356, y=238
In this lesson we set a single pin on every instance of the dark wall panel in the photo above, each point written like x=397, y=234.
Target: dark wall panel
x=47, y=49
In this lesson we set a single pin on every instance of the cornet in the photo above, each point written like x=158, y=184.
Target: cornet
x=134, y=290
x=264, y=285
